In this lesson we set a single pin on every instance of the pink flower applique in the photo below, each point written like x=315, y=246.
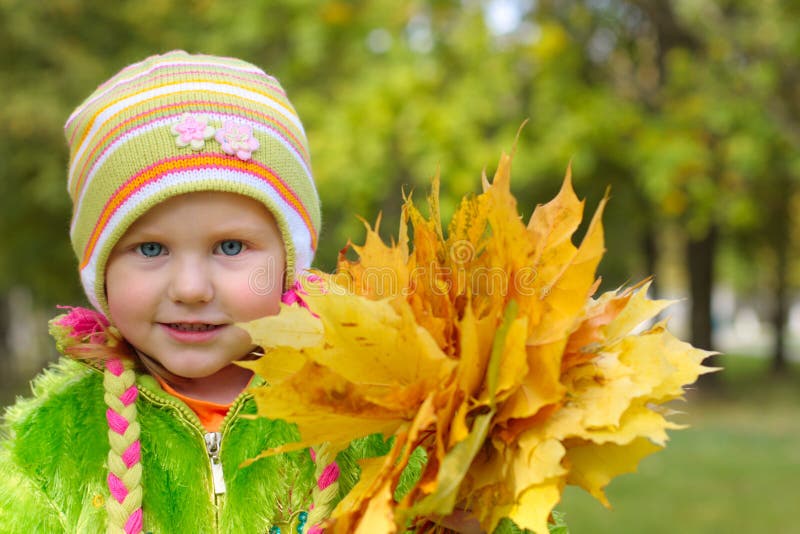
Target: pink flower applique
x=84, y=324
x=192, y=130
x=237, y=140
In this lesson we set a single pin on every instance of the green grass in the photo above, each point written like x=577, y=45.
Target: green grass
x=736, y=469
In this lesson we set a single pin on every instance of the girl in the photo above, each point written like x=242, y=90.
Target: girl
x=194, y=208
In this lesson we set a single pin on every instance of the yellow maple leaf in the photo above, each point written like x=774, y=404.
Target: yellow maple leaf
x=485, y=348
x=382, y=270
x=534, y=505
x=592, y=466
x=353, y=377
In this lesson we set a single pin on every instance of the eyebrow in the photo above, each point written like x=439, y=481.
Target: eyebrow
x=246, y=231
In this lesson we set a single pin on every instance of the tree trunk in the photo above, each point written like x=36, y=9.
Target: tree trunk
x=699, y=253
x=700, y=256
x=780, y=312
x=390, y=205
x=650, y=251
x=780, y=233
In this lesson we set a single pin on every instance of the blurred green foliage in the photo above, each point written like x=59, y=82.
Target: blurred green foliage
x=687, y=109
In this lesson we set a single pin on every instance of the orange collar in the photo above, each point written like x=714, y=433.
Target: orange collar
x=210, y=414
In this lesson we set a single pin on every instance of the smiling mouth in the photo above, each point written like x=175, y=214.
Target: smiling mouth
x=195, y=327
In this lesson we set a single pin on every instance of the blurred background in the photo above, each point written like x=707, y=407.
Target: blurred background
x=689, y=110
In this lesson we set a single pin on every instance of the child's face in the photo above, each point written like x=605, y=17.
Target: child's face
x=190, y=268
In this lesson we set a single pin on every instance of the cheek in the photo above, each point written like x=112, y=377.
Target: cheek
x=256, y=291
x=128, y=296
x=251, y=301
x=122, y=303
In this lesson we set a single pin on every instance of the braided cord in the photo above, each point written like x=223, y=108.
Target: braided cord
x=124, y=466
x=326, y=489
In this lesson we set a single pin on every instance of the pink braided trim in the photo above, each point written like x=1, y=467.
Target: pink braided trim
x=134, y=523
x=117, y=488
x=329, y=475
x=115, y=366
x=132, y=454
x=129, y=397
x=117, y=423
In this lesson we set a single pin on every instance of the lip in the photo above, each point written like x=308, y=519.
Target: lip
x=188, y=336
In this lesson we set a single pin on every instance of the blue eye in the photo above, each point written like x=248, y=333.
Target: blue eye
x=150, y=250
x=231, y=247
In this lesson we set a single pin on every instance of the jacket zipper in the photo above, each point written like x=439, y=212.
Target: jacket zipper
x=212, y=442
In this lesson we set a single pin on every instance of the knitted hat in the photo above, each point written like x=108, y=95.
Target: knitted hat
x=179, y=123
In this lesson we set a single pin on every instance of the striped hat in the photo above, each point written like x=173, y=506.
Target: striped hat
x=178, y=123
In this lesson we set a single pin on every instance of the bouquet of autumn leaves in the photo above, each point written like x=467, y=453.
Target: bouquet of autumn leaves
x=483, y=346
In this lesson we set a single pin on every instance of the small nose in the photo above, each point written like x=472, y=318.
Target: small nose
x=190, y=282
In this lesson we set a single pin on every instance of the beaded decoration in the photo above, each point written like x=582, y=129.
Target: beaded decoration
x=323, y=497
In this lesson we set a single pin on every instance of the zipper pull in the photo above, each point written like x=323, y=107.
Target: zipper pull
x=213, y=440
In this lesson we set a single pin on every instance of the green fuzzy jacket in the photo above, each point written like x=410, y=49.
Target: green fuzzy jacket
x=53, y=462
x=54, y=446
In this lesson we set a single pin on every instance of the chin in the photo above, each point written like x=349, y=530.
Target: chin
x=191, y=369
